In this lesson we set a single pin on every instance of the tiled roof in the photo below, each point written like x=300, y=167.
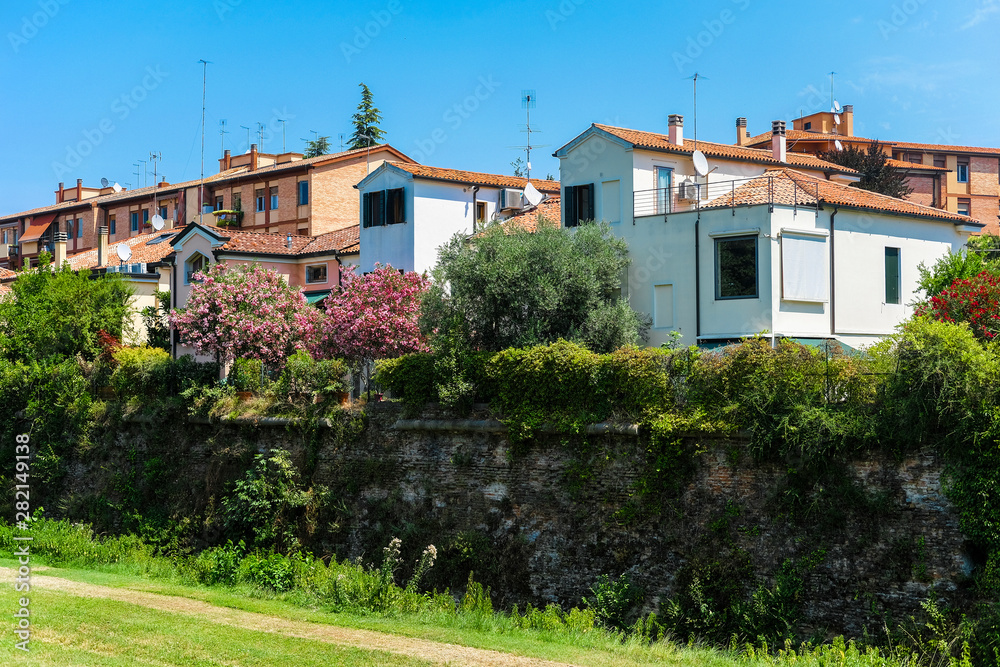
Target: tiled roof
x=944, y=148
x=806, y=135
x=791, y=187
x=475, y=177
x=142, y=251
x=261, y=242
x=6, y=274
x=549, y=209
x=319, y=159
x=661, y=142
x=338, y=241
x=900, y=164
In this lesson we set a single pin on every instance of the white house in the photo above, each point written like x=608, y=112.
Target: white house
x=408, y=211
x=764, y=241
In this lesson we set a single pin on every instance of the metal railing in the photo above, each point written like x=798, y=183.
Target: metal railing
x=692, y=196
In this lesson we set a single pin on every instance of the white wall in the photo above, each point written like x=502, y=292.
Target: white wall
x=389, y=244
x=440, y=211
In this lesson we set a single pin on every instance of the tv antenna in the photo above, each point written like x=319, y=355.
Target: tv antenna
x=223, y=132
x=282, y=121
x=201, y=184
x=528, y=102
x=143, y=163
x=155, y=156
x=260, y=136
x=341, y=142
x=247, y=128
x=834, y=107
x=694, y=79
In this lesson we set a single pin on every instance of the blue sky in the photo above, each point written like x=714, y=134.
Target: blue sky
x=88, y=92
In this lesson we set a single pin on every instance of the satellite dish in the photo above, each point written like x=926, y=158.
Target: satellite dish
x=117, y=188
x=700, y=163
x=157, y=222
x=105, y=183
x=124, y=252
x=839, y=145
x=836, y=118
x=836, y=106
x=532, y=194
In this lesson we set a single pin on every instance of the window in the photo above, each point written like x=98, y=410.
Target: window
x=237, y=201
x=163, y=212
x=316, y=273
x=5, y=236
x=480, y=214
x=736, y=267
x=79, y=228
x=965, y=207
x=939, y=161
x=303, y=193
x=395, y=211
x=664, y=179
x=892, y=287
x=135, y=221
x=219, y=203
x=579, y=204
x=274, y=198
x=808, y=126
x=111, y=224
x=373, y=209
x=914, y=158
x=145, y=217
x=804, y=276
x=260, y=200
x=198, y=262
x=963, y=170
x=69, y=228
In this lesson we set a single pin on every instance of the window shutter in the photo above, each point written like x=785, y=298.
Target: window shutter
x=569, y=206
x=590, y=202
x=366, y=209
x=380, y=212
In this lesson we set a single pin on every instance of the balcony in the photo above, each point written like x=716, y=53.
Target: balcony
x=690, y=196
x=228, y=218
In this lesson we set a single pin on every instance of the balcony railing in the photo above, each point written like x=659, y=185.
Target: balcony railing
x=691, y=196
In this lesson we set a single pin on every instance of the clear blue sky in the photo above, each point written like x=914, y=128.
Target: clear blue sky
x=88, y=88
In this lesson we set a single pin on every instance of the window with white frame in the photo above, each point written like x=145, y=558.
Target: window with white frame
x=274, y=198
x=259, y=193
x=736, y=267
x=195, y=264
x=316, y=273
x=963, y=170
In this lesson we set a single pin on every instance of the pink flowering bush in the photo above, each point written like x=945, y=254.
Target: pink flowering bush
x=371, y=317
x=243, y=311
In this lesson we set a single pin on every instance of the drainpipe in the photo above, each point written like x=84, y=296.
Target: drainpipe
x=475, y=193
x=697, y=280
x=173, y=306
x=833, y=275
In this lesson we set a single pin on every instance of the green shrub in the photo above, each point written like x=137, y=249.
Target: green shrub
x=304, y=375
x=410, y=377
x=246, y=374
x=219, y=565
x=612, y=600
x=140, y=371
x=270, y=571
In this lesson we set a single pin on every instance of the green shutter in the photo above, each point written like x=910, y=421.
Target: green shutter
x=590, y=202
x=892, y=275
x=366, y=209
x=569, y=206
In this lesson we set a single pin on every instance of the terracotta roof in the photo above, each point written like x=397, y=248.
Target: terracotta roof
x=6, y=274
x=338, y=241
x=142, y=251
x=806, y=135
x=791, y=187
x=261, y=242
x=911, y=166
x=319, y=159
x=475, y=177
x=943, y=148
x=549, y=209
x=661, y=142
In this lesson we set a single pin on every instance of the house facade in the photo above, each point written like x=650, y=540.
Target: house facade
x=408, y=211
x=777, y=242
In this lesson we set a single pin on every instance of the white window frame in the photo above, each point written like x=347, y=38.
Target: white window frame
x=326, y=273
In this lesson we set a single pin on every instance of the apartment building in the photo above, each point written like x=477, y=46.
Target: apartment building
x=959, y=179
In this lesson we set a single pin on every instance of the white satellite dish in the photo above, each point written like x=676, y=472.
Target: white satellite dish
x=836, y=118
x=839, y=145
x=532, y=194
x=157, y=222
x=105, y=182
x=124, y=252
x=117, y=188
x=700, y=163
x=836, y=106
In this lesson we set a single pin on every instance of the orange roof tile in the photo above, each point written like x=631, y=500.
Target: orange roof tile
x=792, y=187
x=912, y=166
x=944, y=148
x=475, y=177
x=661, y=142
x=548, y=210
x=142, y=251
x=6, y=274
x=340, y=240
x=805, y=135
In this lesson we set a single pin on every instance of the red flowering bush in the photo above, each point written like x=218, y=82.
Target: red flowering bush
x=973, y=300
x=242, y=311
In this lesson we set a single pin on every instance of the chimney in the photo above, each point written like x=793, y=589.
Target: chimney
x=253, y=157
x=79, y=189
x=741, y=131
x=102, y=245
x=59, y=193
x=779, y=147
x=59, y=252
x=227, y=158
x=676, y=136
x=847, y=118
x=288, y=241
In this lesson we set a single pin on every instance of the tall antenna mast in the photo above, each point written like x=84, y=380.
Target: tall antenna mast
x=153, y=157
x=695, y=79
x=832, y=106
x=201, y=185
x=528, y=102
x=223, y=132
x=282, y=121
x=247, y=128
x=260, y=136
x=143, y=163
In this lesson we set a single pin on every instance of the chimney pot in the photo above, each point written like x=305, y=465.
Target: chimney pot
x=102, y=245
x=778, y=127
x=676, y=133
x=741, y=131
x=288, y=241
x=59, y=249
x=779, y=146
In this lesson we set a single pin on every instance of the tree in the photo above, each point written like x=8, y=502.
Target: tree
x=518, y=165
x=974, y=300
x=57, y=313
x=370, y=317
x=243, y=311
x=366, y=120
x=318, y=146
x=877, y=175
x=157, y=322
x=514, y=288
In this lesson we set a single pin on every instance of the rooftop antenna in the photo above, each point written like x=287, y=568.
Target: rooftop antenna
x=341, y=142
x=154, y=157
x=282, y=121
x=695, y=80
x=201, y=185
x=105, y=182
x=528, y=102
x=223, y=132
x=260, y=136
x=248, y=136
x=143, y=163
x=833, y=101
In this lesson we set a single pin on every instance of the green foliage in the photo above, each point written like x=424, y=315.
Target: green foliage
x=156, y=322
x=518, y=288
x=954, y=266
x=140, y=371
x=877, y=175
x=612, y=600
x=318, y=146
x=246, y=374
x=57, y=314
x=366, y=121
x=304, y=375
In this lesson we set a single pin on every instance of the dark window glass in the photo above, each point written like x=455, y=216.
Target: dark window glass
x=736, y=267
